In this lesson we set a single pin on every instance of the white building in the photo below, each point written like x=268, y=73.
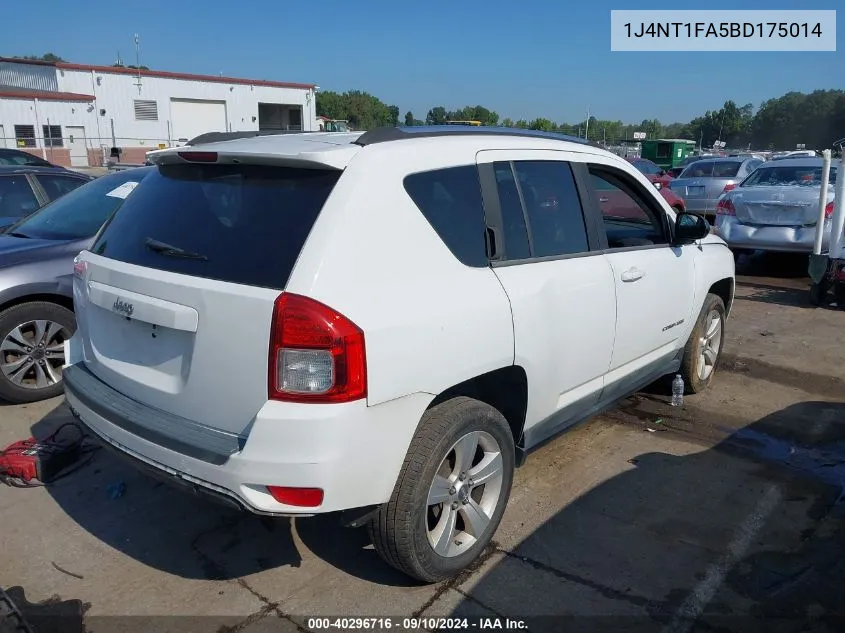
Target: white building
x=74, y=114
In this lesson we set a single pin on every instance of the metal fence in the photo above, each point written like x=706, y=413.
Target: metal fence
x=85, y=151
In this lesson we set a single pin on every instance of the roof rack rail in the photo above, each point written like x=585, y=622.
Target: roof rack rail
x=217, y=137
x=386, y=134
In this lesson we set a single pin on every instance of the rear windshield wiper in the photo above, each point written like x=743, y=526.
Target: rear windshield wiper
x=172, y=251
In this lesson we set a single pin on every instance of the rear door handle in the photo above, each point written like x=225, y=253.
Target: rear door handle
x=633, y=274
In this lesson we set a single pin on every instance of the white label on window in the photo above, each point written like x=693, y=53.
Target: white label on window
x=123, y=190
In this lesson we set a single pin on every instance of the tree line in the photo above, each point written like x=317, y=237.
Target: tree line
x=816, y=120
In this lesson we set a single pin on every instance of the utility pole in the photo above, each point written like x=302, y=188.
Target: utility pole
x=138, y=60
x=587, y=126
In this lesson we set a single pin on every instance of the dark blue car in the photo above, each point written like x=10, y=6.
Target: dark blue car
x=24, y=189
x=36, y=291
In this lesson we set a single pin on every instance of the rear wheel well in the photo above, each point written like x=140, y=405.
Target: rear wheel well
x=504, y=389
x=61, y=300
x=724, y=289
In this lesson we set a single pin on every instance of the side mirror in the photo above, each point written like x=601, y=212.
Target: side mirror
x=690, y=228
x=662, y=172
x=657, y=185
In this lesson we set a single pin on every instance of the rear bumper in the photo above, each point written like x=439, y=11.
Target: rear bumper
x=702, y=206
x=788, y=239
x=351, y=451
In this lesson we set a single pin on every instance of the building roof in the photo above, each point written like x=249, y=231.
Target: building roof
x=116, y=70
x=45, y=95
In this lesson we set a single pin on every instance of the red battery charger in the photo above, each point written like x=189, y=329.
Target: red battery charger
x=42, y=460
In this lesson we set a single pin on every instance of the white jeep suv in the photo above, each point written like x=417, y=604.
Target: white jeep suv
x=384, y=323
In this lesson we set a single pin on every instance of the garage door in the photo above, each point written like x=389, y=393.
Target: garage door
x=192, y=117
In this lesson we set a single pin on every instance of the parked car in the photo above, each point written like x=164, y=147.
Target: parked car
x=776, y=208
x=18, y=158
x=673, y=199
x=614, y=202
x=689, y=160
x=702, y=182
x=36, y=295
x=384, y=323
x=656, y=174
x=801, y=153
x=24, y=190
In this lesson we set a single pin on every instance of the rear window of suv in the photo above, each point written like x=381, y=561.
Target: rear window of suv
x=243, y=224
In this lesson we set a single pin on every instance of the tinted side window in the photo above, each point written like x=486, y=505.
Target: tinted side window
x=16, y=197
x=555, y=218
x=629, y=220
x=57, y=186
x=450, y=199
x=513, y=215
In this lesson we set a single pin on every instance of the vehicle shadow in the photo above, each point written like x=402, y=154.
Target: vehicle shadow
x=778, y=295
x=748, y=535
x=776, y=265
x=776, y=278
x=191, y=537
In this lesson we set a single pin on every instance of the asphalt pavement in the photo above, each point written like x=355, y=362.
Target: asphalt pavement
x=725, y=515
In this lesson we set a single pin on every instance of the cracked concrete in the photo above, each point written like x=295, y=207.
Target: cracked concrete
x=646, y=518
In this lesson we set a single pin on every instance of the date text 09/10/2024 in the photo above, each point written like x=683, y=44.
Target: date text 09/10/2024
x=724, y=29
x=414, y=623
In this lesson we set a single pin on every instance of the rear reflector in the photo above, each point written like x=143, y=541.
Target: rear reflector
x=725, y=207
x=300, y=497
x=316, y=353
x=199, y=157
x=80, y=267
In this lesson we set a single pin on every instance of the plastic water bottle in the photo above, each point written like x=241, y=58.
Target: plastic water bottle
x=678, y=391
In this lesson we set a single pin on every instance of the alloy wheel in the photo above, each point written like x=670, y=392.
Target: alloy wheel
x=710, y=344
x=464, y=494
x=32, y=354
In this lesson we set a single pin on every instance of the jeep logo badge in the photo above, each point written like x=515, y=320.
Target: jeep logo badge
x=123, y=307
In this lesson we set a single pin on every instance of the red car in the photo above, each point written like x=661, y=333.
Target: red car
x=655, y=173
x=675, y=201
x=615, y=203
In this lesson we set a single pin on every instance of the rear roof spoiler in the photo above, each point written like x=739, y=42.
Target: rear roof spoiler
x=217, y=137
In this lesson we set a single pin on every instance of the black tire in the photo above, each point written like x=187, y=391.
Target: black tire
x=818, y=292
x=399, y=528
x=692, y=352
x=839, y=293
x=16, y=316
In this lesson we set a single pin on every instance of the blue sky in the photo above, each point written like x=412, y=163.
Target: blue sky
x=521, y=58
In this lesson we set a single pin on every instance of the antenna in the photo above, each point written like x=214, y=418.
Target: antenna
x=138, y=60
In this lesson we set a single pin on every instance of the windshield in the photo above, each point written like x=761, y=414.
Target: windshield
x=646, y=167
x=80, y=213
x=712, y=169
x=10, y=157
x=787, y=176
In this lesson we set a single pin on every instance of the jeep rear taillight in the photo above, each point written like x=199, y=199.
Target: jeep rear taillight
x=316, y=353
